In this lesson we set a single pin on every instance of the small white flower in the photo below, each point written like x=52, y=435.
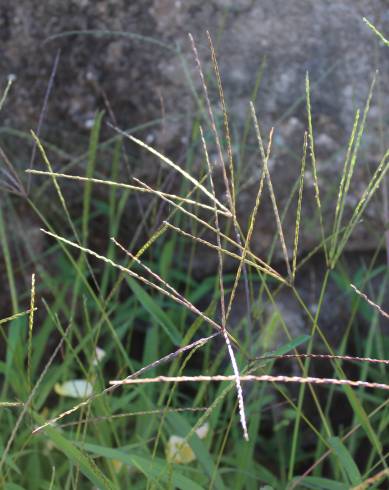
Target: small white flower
x=178, y=450
x=89, y=123
x=99, y=355
x=202, y=431
x=74, y=388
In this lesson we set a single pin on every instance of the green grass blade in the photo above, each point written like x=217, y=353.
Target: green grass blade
x=182, y=428
x=8, y=264
x=299, y=204
x=349, y=169
x=346, y=460
x=317, y=483
x=150, y=305
x=314, y=165
x=270, y=187
x=377, y=32
x=78, y=458
x=13, y=486
x=370, y=190
x=156, y=471
x=90, y=170
x=11, y=79
x=341, y=193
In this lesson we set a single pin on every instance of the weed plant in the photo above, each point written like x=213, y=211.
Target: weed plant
x=171, y=368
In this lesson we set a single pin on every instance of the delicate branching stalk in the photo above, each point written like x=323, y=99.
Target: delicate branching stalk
x=222, y=303
x=229, y=197
x=10, y=404
x=30, y=329
x=110, y=389
x=178, y=169
x=43, y=113
x=373, y=480
x=299, y=204
x=213, y=124
x=341, y=193
x=226, y=123
x=13, y=183
x=169, y=289
x=327, y=357
x=271, y=190
x=141, y=413
x=251, y=228
x=61, y=198
x=262, y=265
x=377, y=32
x=349, y=169
x=368, y=193
x=314, y=165
x=128, y=187
x=129, y=272
x=251, y=377
x=260, y=268
x=371, y=303
x=163, y=227
x=13, y=317
x=10, y=81
x=305, y=371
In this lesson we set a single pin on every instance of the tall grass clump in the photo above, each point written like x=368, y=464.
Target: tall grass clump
x=122, y=369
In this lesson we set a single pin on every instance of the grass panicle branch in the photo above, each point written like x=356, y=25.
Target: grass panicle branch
x=370, y=302
x=251, y=377
x=223, y=307
x=377, y=32
x=271, y=190
x=110, y=389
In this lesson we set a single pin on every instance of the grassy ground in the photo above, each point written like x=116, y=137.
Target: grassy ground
x=219, y=417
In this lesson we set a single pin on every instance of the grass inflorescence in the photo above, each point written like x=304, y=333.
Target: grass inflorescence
x=161, y=349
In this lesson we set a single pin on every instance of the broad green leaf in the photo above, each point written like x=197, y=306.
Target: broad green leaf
x=155, y=311
x=179, y=424
x=317, y=483
x=87, y=466
x=346, y=460
x=9, y=459
x=363, y=418
x=154, y=469
x=13, y=486
x=166, y=258
x=284, y=349
x=202, y=289
x=15, y=354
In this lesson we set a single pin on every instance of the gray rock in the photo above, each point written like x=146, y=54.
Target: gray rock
x=144, y=63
